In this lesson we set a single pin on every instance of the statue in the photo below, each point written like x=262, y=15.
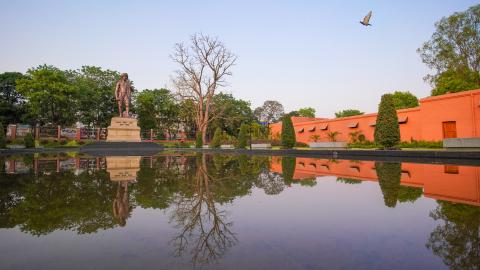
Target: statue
x=123, y=93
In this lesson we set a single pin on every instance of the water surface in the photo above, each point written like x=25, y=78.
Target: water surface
x=184, y=211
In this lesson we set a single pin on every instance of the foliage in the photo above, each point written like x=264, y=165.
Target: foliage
x=198, y=140
x=387, y=130
x=454, y=52
x=453, y=81
x=157, y=110
x=350, y=181
x=96, y=103
x=348, y=112
x=332, y=135
x=403, y=100
x=301, y=144
x=29, y=141
x=51, y=95
x=242, y=136
x=421, y=144
x=306, y=112
x=3, y=139
x=288, y=133
x=389, y=179
x=355, y=136
x=217, y=139
x=270, y=112
x=363, y=145
x=456, y=238
x=409, y=194
x=315, y=137
x=12, y=103
x=229, y=114
x=288, y=168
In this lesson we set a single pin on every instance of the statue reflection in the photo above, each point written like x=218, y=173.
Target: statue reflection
x=122, y=170
x=204, y=233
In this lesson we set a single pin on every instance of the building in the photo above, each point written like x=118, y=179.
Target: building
x=455, y=115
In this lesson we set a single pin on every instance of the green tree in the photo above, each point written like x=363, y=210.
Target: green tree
x=157, y=110
x=348, y=112
x=12, y=103
x=217, y=139
x=198, y=140
x=229, y=113
x=288, y=133
x=96, y=98
x=454, y=52
x=306, y=112
x=242, y=136
x=403, y=100
x=452, y=81
x=387, y=130
x=288, y=169
x=270, y=112
x=389, y=175
x=51, y=95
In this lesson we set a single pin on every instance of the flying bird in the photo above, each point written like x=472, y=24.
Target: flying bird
x=366, y=20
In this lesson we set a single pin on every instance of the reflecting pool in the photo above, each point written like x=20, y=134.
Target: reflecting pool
x=188, y=210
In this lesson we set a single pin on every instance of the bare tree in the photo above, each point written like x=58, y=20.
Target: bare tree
x=204, y=67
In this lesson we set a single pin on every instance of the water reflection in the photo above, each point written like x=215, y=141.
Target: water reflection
x=43, y=194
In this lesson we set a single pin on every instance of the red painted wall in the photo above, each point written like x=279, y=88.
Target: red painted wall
x=424, y=122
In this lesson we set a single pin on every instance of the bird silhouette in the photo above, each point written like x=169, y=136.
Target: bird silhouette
x=366, y=20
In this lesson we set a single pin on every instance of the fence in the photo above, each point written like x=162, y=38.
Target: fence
x=85, y=133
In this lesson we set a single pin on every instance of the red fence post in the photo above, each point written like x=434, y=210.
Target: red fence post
x=13, y=132
x=98, y=134
x=151, y=134
x=37, y=132
x=59, y=132
x=78, y=135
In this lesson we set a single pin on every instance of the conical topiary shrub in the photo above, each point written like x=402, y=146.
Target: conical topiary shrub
x=242, y=136
x=198, y=140
x=288, y=133
x=217, y=139
x=387, y=130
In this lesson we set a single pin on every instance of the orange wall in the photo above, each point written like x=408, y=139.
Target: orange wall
x=437, y=183
x=424, y=122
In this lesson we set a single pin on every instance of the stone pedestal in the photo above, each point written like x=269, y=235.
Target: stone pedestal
x=123, y=129
x=123, y=168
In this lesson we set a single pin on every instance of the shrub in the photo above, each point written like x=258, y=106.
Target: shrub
x=315, y=138
x=29, y=141
x=17, y=141
x=63, y=142
x=3, y=141
x=363, y=144
x=355, y=136
x=332, y=135
x=288, y=133
x=198, y=140
x=43, y=141
x=387, y=130
x=301, y=144
x=421, y=144
x=242, y=136
x=217, y=139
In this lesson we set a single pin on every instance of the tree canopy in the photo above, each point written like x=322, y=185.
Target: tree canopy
x=454, y=52
x=403, y=100
x=306, y=112
x=270, y=112
x=12, y=103
x=348, y=112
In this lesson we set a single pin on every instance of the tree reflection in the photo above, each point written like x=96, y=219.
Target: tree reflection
x=389, y=175
x=204, y=233
x=457, y=239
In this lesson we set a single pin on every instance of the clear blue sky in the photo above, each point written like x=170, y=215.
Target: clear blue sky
x=301, y=53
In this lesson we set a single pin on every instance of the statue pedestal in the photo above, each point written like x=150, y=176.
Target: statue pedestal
x=123, y=129
x=123, y=168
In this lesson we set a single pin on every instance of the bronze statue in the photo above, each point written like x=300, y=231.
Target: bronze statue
x=123, y=93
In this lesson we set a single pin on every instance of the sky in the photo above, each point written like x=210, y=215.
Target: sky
x=300, y=53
